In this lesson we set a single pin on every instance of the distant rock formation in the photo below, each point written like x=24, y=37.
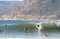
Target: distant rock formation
x=31, y=10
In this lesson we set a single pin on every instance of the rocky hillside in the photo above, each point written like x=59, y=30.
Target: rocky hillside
x=30, y=10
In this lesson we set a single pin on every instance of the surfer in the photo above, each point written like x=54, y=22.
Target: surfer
x=26, y=29
x=46, y=35
x=1, y=30
x=6, y=25
x=39, y=26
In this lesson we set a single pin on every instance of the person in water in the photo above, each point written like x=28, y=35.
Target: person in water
x=1, y=30
x=46, y=35
x=39, y=26
x=6, y=25
x=26, y=29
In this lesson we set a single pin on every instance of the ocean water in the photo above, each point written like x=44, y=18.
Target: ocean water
x=13, y=22
x=13, y=33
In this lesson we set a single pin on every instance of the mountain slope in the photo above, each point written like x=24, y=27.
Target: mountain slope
x=31, y=10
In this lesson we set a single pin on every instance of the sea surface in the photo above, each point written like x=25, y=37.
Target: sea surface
x=13, y=33
x=13, y=22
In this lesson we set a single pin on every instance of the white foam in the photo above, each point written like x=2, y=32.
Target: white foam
x=34, y=38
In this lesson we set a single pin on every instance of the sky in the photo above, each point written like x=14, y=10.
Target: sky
x=11, y=0
x=6, y=2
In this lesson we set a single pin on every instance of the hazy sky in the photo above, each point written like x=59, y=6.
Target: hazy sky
x=11, y=0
